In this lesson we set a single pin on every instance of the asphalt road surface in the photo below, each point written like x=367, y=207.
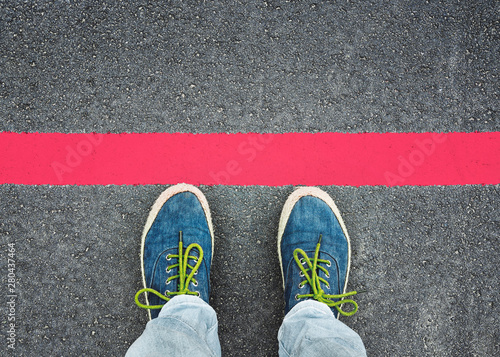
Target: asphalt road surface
x=427, y=257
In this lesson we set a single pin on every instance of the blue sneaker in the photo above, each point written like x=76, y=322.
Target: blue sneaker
x=177, y=248
x=314, y=251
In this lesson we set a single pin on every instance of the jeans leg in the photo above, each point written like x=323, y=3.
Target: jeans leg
x=186, y=326
x=310, y=329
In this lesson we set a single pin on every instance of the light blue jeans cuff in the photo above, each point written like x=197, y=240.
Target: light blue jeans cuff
x=311, y=329
x=186, y=326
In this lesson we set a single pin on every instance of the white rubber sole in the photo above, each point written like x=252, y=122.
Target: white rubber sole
x=287, y=210
x=160, y=201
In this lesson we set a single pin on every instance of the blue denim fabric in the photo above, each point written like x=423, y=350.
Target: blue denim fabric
x=187, y=327
x=182, y=212
x=310, y=329
x=309, y=218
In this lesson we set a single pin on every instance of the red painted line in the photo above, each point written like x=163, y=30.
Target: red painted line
x=250, y=159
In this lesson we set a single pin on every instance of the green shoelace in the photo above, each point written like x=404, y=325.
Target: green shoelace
x=184, y=279
x=314, y=280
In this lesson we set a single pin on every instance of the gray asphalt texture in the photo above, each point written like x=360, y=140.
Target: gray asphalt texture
x=427, y=257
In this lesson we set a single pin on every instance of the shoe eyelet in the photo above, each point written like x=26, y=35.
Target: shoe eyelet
x=168, y=257
x=195, y=283
x=168, y=270
x=196, y=272
x=301, y=274
x=302, y=261
x=328, y=275
x=301, y=286
x=329, y=264
x=198, y=294
x=166, y=292
x=168, y=282
x=297, y=297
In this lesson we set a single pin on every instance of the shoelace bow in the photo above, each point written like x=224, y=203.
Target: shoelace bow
x=184, y=279
x=314, y=280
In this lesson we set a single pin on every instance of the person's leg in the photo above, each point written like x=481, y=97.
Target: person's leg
x=314, y=252
x=176, y=255
x=310, y=329
x=186, y=326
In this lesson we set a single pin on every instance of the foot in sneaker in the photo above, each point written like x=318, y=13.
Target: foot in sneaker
x=314, y=251
x=177, y=248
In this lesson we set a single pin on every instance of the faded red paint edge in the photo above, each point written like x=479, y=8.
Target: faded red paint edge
x=390, y=159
